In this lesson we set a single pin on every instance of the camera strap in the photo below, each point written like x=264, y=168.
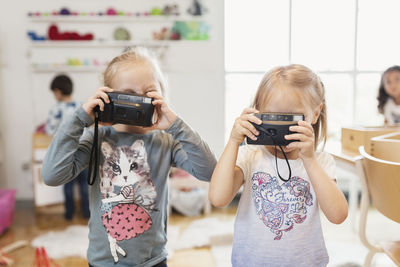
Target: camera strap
x=276, y=158
x=94, y=153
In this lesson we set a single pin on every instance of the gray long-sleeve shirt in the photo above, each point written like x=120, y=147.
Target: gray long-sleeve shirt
x=129, y=199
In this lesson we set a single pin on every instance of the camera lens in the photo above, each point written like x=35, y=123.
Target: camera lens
x=272, y=131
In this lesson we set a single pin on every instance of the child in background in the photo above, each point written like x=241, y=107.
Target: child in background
x=62, y=88
x=129, y=203
x=389, y=95
x=278, y=221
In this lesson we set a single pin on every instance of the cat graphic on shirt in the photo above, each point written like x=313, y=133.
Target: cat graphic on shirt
x=128, y=193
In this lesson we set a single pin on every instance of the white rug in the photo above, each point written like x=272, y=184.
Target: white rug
x=222, y=255
x=72, y=242
x=201, y=232
x=172, y=237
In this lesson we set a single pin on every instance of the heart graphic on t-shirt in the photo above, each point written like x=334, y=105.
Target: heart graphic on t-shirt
x=281, y=206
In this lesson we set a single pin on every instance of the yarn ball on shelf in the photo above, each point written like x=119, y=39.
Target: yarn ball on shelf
x=65, y=11
x=111, y=12
x=156, y=11
x=122, y=34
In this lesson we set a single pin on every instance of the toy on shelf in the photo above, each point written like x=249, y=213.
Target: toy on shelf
x=156, y=11
x=197, y=8
x=96, y=62
x=35, y=37
x=166, y=34
x=65, y=12
x=161, y=35
x=122, y=34
x=192, y=30
x=55, y=35
x=167, y=10
x=171, y=10
x=74, y=62
x=111, y=12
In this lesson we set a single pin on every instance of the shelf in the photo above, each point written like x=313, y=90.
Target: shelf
x=102, y=44
x=113, y=19
x=98, y=69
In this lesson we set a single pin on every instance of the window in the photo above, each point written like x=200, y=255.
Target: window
x=349, y=43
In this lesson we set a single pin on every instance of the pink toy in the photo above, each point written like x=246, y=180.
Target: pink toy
x=7, y=204
x=111, y=12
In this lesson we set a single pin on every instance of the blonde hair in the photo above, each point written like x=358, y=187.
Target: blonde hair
x=304, y=82
x=133, y=56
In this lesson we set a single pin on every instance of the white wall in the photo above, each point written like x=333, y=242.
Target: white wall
x=195, y=73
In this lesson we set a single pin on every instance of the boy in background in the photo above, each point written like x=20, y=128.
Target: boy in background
x=62, y=88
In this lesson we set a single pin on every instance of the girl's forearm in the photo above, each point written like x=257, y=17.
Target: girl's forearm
x=222, y=185
x=330, y=198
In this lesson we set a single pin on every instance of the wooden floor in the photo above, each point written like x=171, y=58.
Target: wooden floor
x=28, y=224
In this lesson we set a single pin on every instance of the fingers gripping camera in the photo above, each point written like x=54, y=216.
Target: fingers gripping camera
x=274, y=127
x=128, y=109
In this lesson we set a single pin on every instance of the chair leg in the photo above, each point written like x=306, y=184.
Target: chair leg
x=207, y=207
x=368, y=258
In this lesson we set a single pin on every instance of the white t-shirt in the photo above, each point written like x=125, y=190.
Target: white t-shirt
x=392, y=112
x=278, y=223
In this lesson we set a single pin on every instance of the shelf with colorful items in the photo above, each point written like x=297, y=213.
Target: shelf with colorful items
x=101, y=44
x=180, y=31
x=156, y=14
x=70, y=65
x=183, y=28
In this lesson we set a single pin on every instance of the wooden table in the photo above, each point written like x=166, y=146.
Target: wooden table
x=346, y=160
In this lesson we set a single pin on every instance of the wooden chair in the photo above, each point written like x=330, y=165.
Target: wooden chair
x=386, y=147
x=380, y=182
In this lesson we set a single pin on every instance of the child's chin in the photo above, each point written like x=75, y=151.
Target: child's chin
x=288, y=150
x=285, y=149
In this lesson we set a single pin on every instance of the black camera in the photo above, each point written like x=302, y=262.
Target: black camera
x=274, y=127
x=129, y=109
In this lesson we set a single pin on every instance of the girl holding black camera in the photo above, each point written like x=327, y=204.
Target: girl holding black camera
x=278, y=221
x=128, y=204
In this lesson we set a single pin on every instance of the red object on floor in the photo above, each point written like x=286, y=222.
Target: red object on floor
x=42, y=259
x=5, y=259
x=7, y=205
x=55, y=35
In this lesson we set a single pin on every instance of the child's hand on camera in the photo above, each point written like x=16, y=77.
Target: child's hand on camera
x=243, y=127
x=305, y=133
x=165, y=117
x=96, y=100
